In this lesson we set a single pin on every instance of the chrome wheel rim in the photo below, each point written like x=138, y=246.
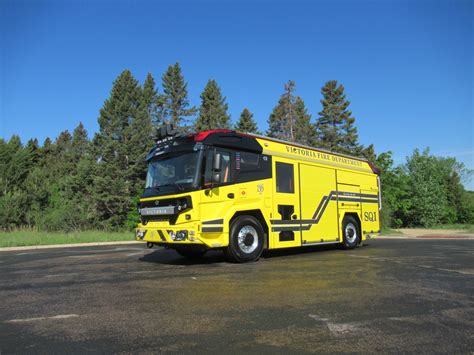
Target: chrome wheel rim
x=350, y=232
x=248, y=239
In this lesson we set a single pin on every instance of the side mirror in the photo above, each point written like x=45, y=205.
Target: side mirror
x=216, y=178
x=216, y=167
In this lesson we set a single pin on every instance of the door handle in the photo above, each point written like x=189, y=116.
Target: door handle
x=231, y=195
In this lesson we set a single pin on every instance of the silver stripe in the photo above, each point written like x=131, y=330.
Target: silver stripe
x=158, y=211
x=319, y=243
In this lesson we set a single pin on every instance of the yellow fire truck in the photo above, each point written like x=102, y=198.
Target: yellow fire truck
x=244, y=193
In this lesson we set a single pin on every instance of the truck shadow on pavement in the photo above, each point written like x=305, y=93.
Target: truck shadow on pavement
x=170, y=257
x=306, y=251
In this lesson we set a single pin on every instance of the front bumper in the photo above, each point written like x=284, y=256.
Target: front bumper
x=371, y=234
x=182, y=234
x=166, y=235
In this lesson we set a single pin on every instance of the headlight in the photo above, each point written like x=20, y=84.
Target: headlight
x=182, y=206
x=179, y=235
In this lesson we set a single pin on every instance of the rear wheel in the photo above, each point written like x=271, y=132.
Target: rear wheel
x=350, y=232
x=190, y=251
x=245, y=240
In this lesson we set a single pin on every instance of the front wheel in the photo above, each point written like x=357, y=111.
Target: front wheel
x=245, y=240
x=350, y=232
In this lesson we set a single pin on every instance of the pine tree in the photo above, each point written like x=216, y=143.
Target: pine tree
x=276, y=123
x=153, y=103
x=80, y=142
x=15, y=165
x=69, y=203
x=63, y=143
x=213, y=110
x=281, y=122
x=62, y=163
x=82, y=160
x=82, y=184
x=175, y=97
x=246, y=123
x=290, y=120
x=304, y=132
x=282, y=119
x=32, y=144
x=335, y=125
x=46, y=152
x=141, y=139
x=114, y=148
x=15, y=162
x=33, y=147
x=369, y=153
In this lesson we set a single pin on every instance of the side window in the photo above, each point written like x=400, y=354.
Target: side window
x=285, y=179
x=225, y=167
x=252, y=166
x=247, y=161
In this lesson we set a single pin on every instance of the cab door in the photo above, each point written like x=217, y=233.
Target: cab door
x=318, y=204
x=286, y=226
x=217, y=197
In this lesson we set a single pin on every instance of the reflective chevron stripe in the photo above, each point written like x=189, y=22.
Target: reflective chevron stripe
x=213, y=226
x=342, y=196
x=214, y=221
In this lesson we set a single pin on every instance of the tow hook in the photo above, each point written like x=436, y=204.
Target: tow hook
x=149, y=244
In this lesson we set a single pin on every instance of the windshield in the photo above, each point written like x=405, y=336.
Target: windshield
x=178, y=169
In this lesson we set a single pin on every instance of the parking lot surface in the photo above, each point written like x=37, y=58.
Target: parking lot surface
x=388, y=296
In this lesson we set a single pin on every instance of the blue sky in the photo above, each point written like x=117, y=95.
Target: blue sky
x=407, y=66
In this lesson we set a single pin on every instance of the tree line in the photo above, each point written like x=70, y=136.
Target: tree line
x=76, y=183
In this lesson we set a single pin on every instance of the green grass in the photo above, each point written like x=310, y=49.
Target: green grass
x=24, y=238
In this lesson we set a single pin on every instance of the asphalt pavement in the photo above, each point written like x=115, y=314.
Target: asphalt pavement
x=401, y=295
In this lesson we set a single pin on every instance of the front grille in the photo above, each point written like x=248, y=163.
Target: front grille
x=170, y=219
x=174, y=202
x=167, y=202
x=156, y=218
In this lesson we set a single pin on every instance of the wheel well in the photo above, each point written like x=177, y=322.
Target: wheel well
x=356, y=217
x=259, y=216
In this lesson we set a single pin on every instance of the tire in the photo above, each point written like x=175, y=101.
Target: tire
x=246, y=240
x=190, y=251
x=350, y=232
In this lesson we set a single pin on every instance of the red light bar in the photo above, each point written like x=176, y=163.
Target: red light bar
x=198, y=137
